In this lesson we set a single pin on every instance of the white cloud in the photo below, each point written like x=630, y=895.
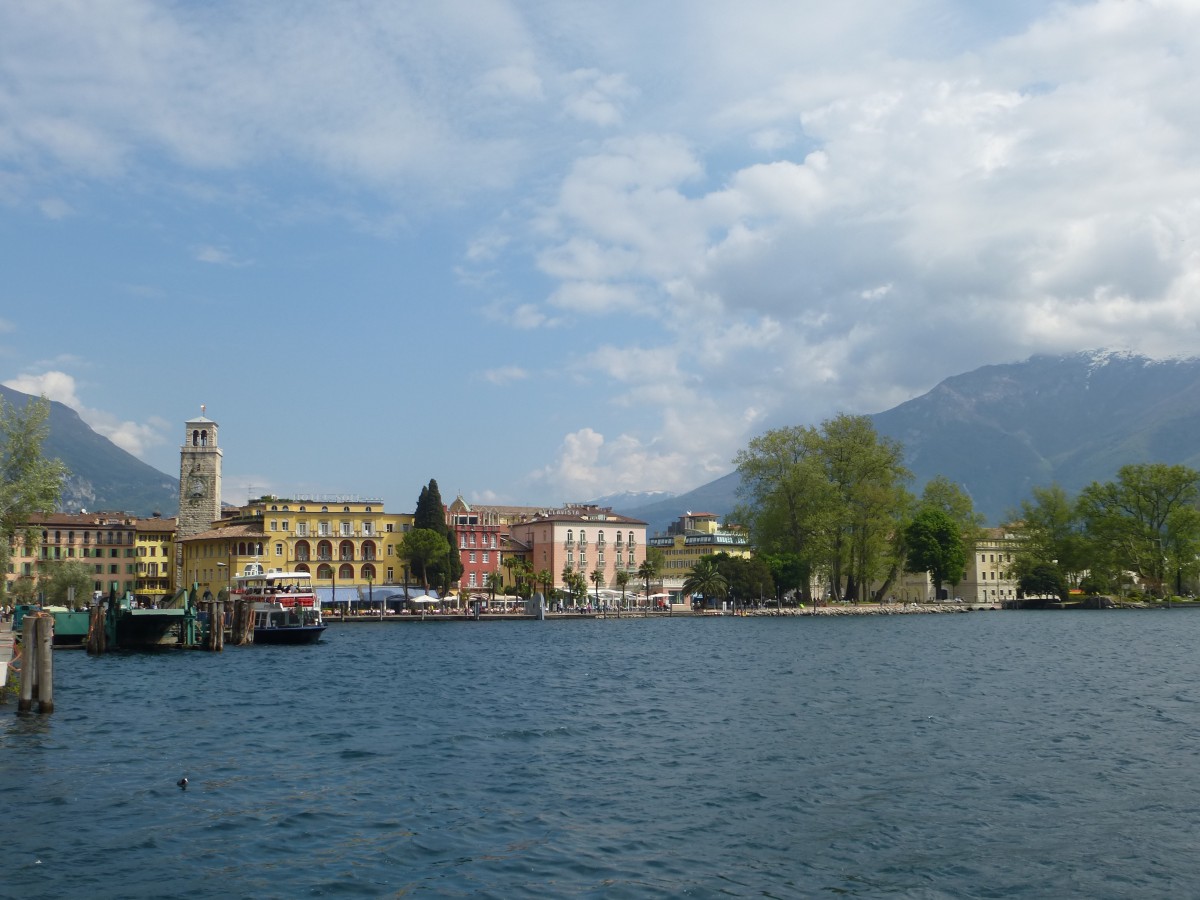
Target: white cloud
x=133, y=437
x=504, y=375
x=596, y=97
x=218, y=256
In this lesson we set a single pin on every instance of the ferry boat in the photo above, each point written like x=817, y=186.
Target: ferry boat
x=286, y=609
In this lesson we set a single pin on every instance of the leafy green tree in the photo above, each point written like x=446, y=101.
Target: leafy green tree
x=789, y=572
x=1049, y=527
x=60, y=576
x=705, y=579
x=836, y=497
x=789, y=505
x=29, y=482
x=1044, y=579
x=423, y=549
x=749, y=578
x=1146, y=520
x=934, y=544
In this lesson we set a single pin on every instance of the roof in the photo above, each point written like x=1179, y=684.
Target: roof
x=245, y=529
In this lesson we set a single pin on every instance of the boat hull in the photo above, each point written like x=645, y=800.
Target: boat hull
x=296, y=634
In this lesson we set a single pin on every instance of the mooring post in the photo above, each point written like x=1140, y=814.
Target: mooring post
x=45, y=682
x=28, y=664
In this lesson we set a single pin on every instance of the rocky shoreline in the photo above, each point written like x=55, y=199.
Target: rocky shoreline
x=872, y=609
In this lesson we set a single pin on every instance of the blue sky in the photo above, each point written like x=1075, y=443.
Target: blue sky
x=545, y=251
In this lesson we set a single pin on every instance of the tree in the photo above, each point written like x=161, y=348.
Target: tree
x=58, y=579
x=29, y=482
x=647, y=571
x=423, y=549
x=431, y=514
x=705, y=579
x=1044, y=579
x=834, y=496
x=749, y=578
x=597, y=578
x=1050, y=527
x=934, y=544
x=622, y=582
x=545, y=579
x=1146, y=520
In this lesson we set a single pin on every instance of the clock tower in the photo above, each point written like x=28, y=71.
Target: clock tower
x=199, y=478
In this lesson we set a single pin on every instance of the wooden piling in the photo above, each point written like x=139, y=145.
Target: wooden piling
x=28, y=664
x=97, y=639
x=45, y=684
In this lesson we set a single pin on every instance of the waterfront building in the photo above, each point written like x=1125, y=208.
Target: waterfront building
x=155, y=552
x=344, y=542
x=990, y=577
x=581, y=538
x=107, y=543
x=693, y=536
x=478, y=535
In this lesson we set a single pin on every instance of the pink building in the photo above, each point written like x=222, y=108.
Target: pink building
x=582, y=538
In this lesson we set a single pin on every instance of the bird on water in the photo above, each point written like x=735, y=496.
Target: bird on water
x=182, y=782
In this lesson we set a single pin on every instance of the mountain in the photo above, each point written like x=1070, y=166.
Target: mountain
x=631, y=498
x=1001, y=430
x=718, y=497
x=103, y=476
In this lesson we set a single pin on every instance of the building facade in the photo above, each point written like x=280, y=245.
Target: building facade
x=106, y=543
x=344, y=542
x=582, y=539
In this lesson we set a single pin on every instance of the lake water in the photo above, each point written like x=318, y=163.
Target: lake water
x=995, y=754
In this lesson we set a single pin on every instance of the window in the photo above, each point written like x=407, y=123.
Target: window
x=570, y=537
x=471, y=581
x=323, y=528
x=285, y=524
x=346, y=531
x=391, y=576
x=302, y=529
x=278, y=549
x=486, y=556
x=274, y=524
x=471, y=556
x=368, y=528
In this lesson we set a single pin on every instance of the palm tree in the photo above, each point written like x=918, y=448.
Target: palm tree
x=622, y=580
x=705, y=579
x=647, y=570
x=597, y=578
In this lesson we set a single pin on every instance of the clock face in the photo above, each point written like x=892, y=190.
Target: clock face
x=197, y=486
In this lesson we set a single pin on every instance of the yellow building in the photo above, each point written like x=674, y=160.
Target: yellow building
x=347, y=542
x=693, y=536
x=154, y=546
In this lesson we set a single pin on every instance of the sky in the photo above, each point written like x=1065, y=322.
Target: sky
x=549, y=251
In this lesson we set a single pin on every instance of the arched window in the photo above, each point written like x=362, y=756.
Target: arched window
x=325, y=571
x=302, y=551
x=368, y=550
x=324, y=550
x=346, y=550
x=346, y=572
x=368, y=573
x=301, y=567
x=600, y=537
x=196, y=438
x=570, y=536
